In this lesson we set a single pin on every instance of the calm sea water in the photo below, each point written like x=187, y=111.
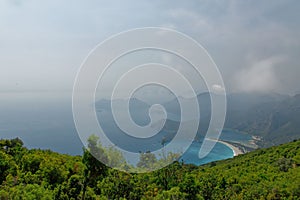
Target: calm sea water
x=44, y=120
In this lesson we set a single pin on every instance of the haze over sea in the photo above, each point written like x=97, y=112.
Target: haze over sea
x=44, y=120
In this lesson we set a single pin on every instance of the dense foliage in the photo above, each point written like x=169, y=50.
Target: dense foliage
x=272, y=173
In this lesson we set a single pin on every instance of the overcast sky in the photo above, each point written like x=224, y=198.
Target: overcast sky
x=254, y=43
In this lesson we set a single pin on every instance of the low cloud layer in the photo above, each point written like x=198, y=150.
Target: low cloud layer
x=260, y=76
x=44, y=43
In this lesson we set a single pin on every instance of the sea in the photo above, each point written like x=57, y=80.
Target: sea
x=44, y=120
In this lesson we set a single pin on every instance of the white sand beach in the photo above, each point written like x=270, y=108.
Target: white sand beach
x=236, y=150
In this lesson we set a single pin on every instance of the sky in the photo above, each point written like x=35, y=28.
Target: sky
x=255, y=43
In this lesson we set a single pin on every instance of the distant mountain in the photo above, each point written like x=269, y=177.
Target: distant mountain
x=244, y=101
x=203, y=100
x=239, y=105
x=276, y=121
x=274, y=117
x=138, y=109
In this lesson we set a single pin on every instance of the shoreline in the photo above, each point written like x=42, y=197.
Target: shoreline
x=236, y=150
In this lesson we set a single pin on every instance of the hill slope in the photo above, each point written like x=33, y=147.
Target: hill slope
x=272, y=173
x=277, y=122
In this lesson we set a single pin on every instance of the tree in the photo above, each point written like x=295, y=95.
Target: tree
x=94, y=169
x=147, y=160
x=172, y=194
x=4, y=166
x=13, y=147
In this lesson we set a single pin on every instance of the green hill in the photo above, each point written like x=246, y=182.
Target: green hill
x=276, y=121
x=272, y=173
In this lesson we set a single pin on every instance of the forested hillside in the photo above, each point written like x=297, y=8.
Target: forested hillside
x=277, y=121
x=272, y=173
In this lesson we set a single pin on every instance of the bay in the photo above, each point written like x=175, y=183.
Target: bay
x=44, y=120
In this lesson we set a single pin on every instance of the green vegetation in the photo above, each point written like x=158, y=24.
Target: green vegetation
x=272, y=173
x=275, y=121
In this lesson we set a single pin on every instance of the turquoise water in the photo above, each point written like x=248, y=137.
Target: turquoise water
x=42, y=121
x=219, y=152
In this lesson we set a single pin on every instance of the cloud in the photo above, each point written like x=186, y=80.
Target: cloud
x=218, y=88
x=237, y=34
x=241, y=34
x=189, y=20
x=260, y=76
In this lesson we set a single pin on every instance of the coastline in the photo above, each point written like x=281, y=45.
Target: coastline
x=236, y=151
